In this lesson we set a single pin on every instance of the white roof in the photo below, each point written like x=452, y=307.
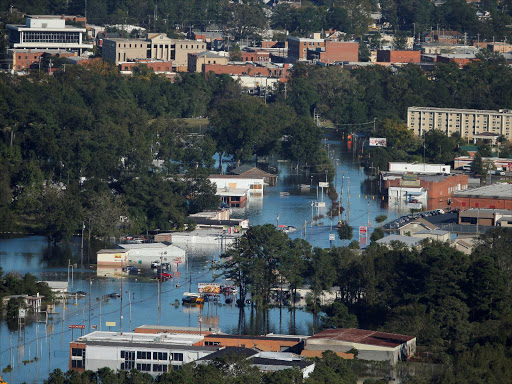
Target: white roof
x=145, y=245
x=132, y=337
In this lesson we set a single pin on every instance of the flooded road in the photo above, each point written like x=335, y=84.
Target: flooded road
x=39, y=348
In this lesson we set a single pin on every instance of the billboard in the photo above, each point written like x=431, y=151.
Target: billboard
x=378, y=142
x=208, y=288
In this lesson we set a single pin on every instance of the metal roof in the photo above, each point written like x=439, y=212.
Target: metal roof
x=407, y=240
x=494, y=191
x=363, y=336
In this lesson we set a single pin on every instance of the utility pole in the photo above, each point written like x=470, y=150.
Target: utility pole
x=121, y=302
x=82, y=246
x=90, y=285
x=85, y=11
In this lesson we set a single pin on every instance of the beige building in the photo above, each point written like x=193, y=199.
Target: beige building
x=196, y=61
x=154, y=47
x=469, y=123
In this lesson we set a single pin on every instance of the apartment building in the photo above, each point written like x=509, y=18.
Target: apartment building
x=469, y=123
x=150, y=353
x=153, y=47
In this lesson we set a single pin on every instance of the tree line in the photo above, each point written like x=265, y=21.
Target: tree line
x=458, y=306
x=227, y=370
x=88, y=146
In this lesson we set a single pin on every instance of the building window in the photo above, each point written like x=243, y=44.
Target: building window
x=177, y=356
x=78, y=352
x=77, y=364
x=211, y=343
x=159, y=355
x=144, y=367
x=159, y=368
x=142, y=355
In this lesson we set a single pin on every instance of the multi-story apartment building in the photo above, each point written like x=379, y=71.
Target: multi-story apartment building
x=154, y=47
x=469, y=123
x=151, y=353
x=47, y=32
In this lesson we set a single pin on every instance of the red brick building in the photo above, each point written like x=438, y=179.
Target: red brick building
x=156, y=66
x=256, y=56
x=495, y=196
x=274, y=44
x=339, y=51
x=23, y=59
x=388, y=56
x=460, y=59
x=248, y=70
x=440, y=188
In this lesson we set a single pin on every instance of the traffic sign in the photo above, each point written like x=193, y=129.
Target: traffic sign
x=332, y=237
x=323, y=184
x=110, y=323
x=77, y=326
x=178, y=260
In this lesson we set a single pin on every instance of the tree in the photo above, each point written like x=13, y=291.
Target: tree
x=345, y=231
x=381, y=218
x=477, y=164
x=377, y=234
x=338, y=316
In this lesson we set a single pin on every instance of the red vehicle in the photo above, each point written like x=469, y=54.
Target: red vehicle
x=164, y=276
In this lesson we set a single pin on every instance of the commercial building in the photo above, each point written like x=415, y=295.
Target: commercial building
x=258, y=72
x=155, y=47
x=371, y=345
x=156, y=66
x=495, y=196
x=217, y=219
x=267, y=343
x=256, y=56
x=469, y=123
x=139, y=254
x=323, y=50
x=253, y=184
x=59, y=288
x=155, y=329
x=420, y=191
x=150, y=353
x=501, y=164
x=23, y=59
x=398, y=167
x=395, y=57
x=444, y=37
x=461, y=59
x=436, y=234
x=47, y=32
x=485, y=217
x=335, y=51
x=196, y=61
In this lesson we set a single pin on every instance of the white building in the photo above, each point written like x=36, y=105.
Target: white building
x=47, y=32
x=150, y=353
x=254, y=185
x=146, y=253
x=419, y=168
x=407, y=197
x=59, y=288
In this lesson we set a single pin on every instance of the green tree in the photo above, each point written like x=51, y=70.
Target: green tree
x=345, y=231
x=477, y=167
x=338, y=316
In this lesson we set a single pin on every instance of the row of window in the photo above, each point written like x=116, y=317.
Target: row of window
x=148, y=355
x=51, y=37
x=78, y=352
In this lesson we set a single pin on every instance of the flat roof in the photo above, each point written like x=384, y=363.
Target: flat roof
x=407, y=240
x=234, y=177
x=145, y=245
x=225, y=351
x=484, y=212
x=281, y=362
x=177, y=329
x=232, y=191
x=438, y=232
x=363, y=336
x=494, y=191
x=255, y=337
x=459, y=110
x=119, y=250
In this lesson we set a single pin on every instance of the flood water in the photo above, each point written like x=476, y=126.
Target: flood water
x=40, y=348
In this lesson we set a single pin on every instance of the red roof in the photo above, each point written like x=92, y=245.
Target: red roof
x=363, y=336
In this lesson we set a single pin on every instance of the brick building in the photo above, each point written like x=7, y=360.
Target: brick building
x=156, y=66
x=335, y=51
x=23, y=59
x=248, y=69
x=256, y=56
x=392, y=56
x=495, y=196
x=196, y=61
x=460, y=59
x=434, y=191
